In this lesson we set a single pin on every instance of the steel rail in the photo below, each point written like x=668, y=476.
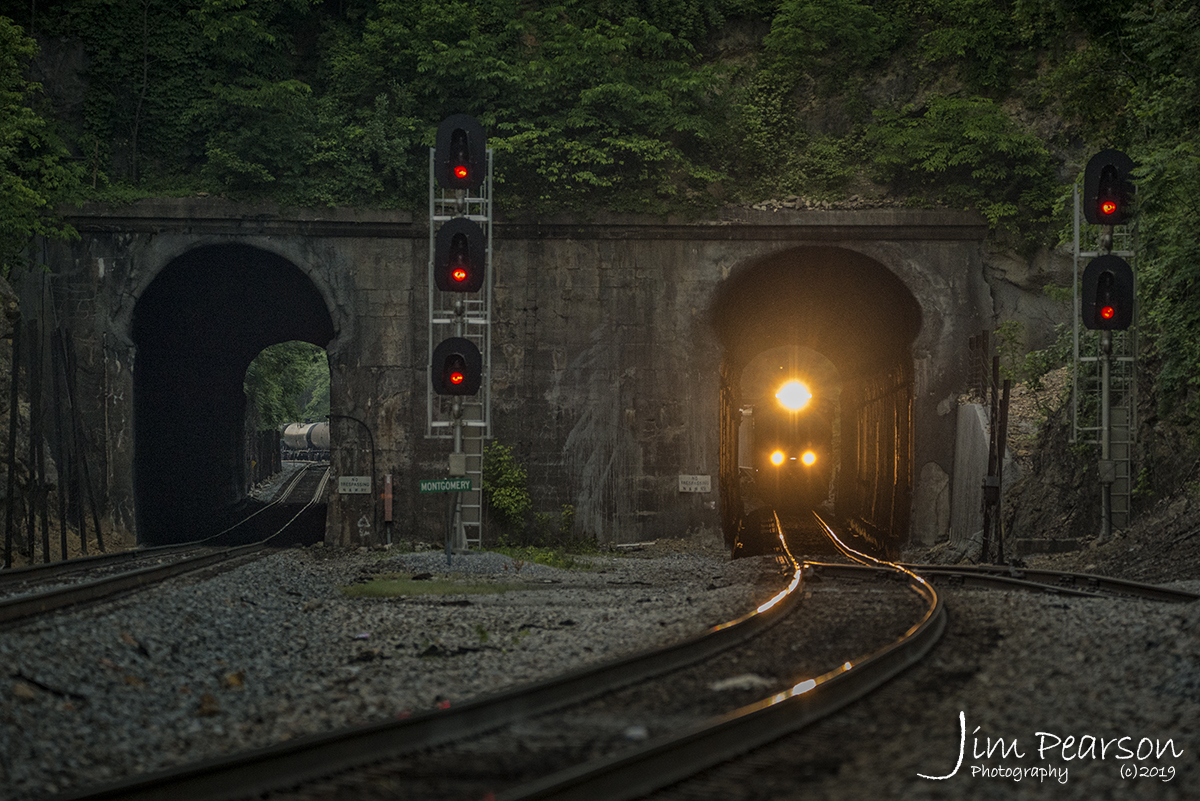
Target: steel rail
x=670, y=759
x=313, y=757
x=1065, y=581
x=26, y=606
x=279, y=499
x=17, y=575
x=957, y=578
x=69, y=567
x=1035, y=579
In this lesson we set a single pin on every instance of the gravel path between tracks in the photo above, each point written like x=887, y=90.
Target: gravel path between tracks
x=274, y=649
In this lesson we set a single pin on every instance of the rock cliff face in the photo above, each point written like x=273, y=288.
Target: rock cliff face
x=1058, y=496
x=1056, y=501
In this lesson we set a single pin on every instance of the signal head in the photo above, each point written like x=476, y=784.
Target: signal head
x=459, y=257
x=1108, y=188
x=1108, y=296
x=460, y=153
x=456, y=367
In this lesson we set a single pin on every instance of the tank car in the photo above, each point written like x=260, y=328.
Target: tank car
x=306, y=442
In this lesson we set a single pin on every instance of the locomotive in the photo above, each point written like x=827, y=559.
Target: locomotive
x=306, y=442
x=786, y=455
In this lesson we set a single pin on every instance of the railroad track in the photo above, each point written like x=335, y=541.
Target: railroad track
x=313, y=758
x=77, y=581
x=1003, y=577
x=418, y=757
x=369, y=754
x=639, y=774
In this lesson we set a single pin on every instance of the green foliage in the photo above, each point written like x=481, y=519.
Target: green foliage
x=967, y=153
x=288, y=383
x=289, y=99
x=1165, y=105
x=506, y=490
x=35, y=170
x=822, y=43
x=810, y=34
x=975, y=37
x=1030, y=367
x=601, y=113
x=145, y=74
x=1038, y=363
x=505, y=486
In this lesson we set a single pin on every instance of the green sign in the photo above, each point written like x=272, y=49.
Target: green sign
x=446, y=485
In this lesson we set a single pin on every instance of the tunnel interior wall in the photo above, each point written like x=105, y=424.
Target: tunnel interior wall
x=876, y=483
x=729, y=477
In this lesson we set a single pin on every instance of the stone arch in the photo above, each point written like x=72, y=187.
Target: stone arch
x=196, y=326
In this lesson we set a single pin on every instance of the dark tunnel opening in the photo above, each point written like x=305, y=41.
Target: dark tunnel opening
x=851, y=316
x=197, y=327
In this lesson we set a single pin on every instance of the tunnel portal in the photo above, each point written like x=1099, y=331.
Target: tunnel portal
x=197, y=327
x=848, y=323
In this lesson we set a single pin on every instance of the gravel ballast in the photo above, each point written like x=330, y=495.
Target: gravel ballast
x=1042, y=681
x=274, y=649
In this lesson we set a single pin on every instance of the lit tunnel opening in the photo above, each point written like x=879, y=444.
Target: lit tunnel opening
x=197, y=327
x=788, y=431
x=849, y=323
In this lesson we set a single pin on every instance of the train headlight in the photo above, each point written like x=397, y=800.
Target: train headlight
x=793, y=396
x=809, y=458
x=777, y=458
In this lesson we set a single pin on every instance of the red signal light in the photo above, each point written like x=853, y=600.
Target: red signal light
x=1107, y=312
x=456, y=367
x=1108, y=207
x=460, y=171
x=459, y=274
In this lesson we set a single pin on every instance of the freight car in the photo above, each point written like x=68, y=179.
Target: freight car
x=306, y=442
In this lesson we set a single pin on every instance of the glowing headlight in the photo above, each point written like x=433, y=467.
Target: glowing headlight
x=777, y=458
x=809, y=458
x=793, y=396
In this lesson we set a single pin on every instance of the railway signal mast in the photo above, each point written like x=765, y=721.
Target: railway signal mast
x=460, y=301
x=1108, y=304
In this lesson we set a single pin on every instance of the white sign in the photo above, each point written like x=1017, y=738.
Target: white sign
x=354, y=485
x=695, y=483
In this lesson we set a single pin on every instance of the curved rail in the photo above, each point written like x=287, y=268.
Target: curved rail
x=25, y=606
x=671, y=759
x=309, y=758
x=46, y=572
x=1061, y=581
